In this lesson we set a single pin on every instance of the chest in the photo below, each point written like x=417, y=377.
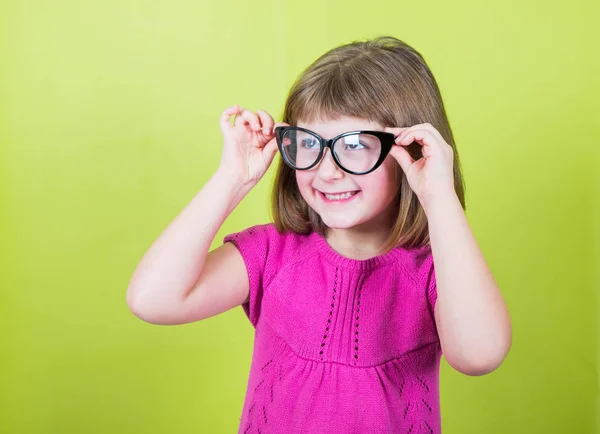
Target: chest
x=334, y=314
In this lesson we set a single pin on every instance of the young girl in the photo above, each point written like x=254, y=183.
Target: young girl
x=350, y=318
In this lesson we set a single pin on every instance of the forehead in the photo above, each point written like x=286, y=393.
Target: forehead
x=329, y=128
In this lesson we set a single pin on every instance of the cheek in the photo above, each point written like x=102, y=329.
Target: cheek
x=304, y=180
x=379, y=193
x=382, y=184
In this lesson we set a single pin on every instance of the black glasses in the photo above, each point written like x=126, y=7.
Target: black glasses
x=355, y=152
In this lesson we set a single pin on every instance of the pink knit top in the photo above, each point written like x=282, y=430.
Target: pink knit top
x=342, y=346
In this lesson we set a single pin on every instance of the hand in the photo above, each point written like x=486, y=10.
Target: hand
x=249, y=144
x=431, y=176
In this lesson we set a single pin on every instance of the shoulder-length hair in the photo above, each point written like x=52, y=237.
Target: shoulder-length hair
x=382, y=80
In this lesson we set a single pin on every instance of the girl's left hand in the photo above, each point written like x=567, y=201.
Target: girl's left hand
x=433, y=175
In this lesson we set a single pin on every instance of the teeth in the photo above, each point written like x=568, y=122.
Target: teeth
x=339, y=196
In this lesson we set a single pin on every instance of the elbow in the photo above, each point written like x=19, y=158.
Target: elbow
x=138, y=309
x=132, y=299
x=480, y=353
x=151, y=311
x=480, y=362
x=477, y=366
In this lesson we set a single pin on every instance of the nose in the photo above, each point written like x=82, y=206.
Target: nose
x=328, y=169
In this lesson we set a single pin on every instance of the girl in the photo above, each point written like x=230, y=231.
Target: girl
x=350, y=317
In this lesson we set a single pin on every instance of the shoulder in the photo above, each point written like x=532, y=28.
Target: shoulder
x=417, y=261
x=268, y=236
x=265, y=230
x=274, y=248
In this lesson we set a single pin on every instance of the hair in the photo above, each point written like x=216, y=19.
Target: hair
x=382, y=80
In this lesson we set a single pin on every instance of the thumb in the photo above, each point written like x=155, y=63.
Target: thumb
x=270, y=150
x=402, y=157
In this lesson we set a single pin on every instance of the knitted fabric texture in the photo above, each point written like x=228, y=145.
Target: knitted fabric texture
x=342, y=346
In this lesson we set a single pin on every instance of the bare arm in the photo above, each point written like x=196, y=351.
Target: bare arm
x=163, y=288
x=178, y=280
x=471, y=316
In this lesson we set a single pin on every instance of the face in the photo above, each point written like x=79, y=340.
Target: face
x=343, y=200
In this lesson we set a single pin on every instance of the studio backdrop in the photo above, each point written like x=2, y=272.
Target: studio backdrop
x=109, y=125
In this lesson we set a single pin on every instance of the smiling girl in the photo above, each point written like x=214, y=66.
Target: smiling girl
x=369, y=271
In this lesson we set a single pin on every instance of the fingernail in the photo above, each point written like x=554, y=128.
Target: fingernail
x=267, y=131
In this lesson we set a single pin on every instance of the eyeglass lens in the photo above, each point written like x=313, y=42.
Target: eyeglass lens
x=355, y=152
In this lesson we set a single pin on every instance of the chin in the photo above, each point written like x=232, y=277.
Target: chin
x=341, y=220
x=338, y=223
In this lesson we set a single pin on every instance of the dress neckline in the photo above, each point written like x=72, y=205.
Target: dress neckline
x=354, y=264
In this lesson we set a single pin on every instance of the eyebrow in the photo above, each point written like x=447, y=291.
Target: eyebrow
x=337, y=135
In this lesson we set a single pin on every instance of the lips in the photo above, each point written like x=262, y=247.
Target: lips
x=338, y=196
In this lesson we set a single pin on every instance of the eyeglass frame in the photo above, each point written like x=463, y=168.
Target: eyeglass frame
x=387, y=141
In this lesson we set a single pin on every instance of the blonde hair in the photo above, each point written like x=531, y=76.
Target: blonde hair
x=382, y=80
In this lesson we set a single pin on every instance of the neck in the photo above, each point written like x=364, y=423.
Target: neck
x=363, y=241
x=356, y=244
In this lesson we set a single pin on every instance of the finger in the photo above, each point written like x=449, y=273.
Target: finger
x=266, y=121
x=400, y=133
x=270, y=150
x=396, y=131
x=239, y=119
x=435, y=133
x=402, y=157
x=225, y=120
x=421, y=138
x=425, y=138
x=265, y=138
x=278, y=124
x=251, y=118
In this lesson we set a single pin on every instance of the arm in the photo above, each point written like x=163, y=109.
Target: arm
x=471, y=316
x=178, y=280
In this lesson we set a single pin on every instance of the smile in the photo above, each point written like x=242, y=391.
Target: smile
x=338, y=197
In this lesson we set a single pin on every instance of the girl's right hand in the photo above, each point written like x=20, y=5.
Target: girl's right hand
x=249, y=144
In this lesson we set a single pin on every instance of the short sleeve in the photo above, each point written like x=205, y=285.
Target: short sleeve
x=432, y=287
x=253, y=244
x=430, y=280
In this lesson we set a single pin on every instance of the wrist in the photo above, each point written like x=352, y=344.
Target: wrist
x=440, y=202
x=232, y=183
x=231, y=177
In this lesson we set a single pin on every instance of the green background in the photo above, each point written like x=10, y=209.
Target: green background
x=109, y=125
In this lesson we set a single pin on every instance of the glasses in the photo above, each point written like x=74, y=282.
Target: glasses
x=355, y=152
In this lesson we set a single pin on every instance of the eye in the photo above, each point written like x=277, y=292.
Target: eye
x=310, y=144
x=355, y=146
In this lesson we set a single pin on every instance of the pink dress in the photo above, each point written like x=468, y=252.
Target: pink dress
x=342, y=346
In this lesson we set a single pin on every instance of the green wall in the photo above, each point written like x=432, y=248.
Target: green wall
x=109, y=126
